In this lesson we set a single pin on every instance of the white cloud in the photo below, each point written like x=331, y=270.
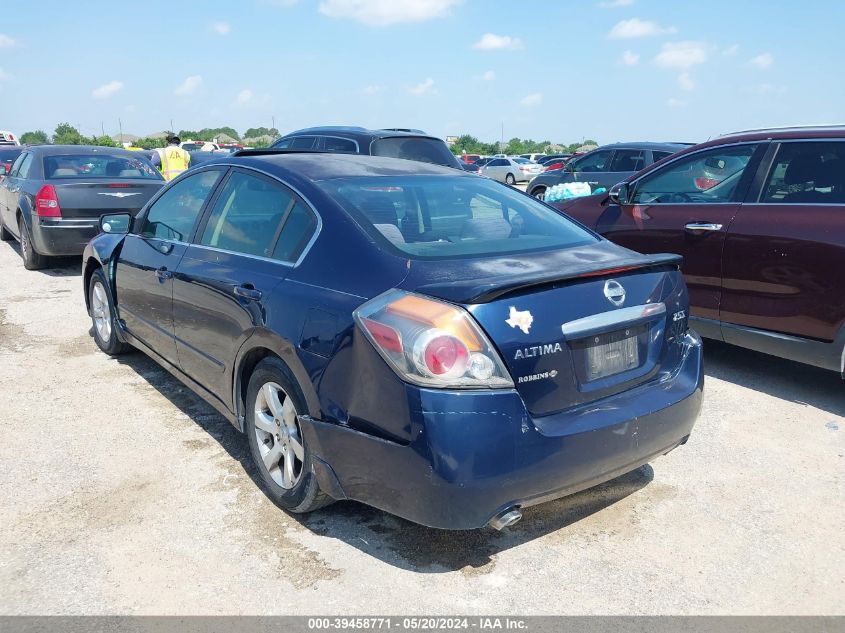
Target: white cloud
x=676, y=103
x=221, y=28
x=531, y=100
x=6, y=41
x=244, y=96
x=763, y=61
x=423, y=87
x=685, y=82
x=487, y=76
x=630, y=58
x=189, y=86
x=682, y=55
x=493, y=42
x=730, y=51
x=614, y=4
x=107, y=90
x=628, y=29
x=386, y=12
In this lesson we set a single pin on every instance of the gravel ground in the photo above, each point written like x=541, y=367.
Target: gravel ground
x=123, y=493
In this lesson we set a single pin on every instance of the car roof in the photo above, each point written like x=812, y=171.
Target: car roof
x=325, y=166
x=805, y=131
x=357, y=132
x=666, y=147
x=51, y=150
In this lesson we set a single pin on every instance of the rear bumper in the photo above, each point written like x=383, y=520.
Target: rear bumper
x=477, y=453
x=58, y=237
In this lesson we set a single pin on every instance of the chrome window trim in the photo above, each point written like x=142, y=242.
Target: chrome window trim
x=672, y=160
x=298, y=193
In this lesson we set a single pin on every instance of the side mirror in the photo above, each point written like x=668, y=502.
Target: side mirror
x=619, y=193
x=116, y=223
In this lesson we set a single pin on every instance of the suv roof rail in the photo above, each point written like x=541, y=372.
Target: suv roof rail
x=269, y=151
x=403, y=129
x=787, y=128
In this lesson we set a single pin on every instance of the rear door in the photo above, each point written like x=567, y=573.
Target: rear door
x=625, y=163
x=679, y=209
x=589, y=168
x=255, y=231
x=149, y=256
x=9, y=188
x=784, y=249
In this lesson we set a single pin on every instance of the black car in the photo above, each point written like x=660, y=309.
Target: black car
x=392, y=143
x=52, y=199
x=407, y=335
x=605, y=166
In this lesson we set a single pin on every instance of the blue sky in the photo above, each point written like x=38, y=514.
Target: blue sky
x=547, y=69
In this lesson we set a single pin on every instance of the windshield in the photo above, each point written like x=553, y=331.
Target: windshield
x=419, y=148
x=98, y=166
x=439, y=217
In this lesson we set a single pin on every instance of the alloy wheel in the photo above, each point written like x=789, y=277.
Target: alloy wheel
x=101, y=312
x=278, y=434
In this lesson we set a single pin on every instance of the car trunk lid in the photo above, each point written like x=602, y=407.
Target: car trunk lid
x=91, y=199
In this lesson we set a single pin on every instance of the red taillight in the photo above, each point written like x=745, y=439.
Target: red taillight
x=554, y=166
x=47, y=203
x=121, y=185
x=446, y=355
x=706, y=183
x=8, y=167
x=384, y=335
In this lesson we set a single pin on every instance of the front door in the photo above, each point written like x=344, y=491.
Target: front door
x=255, y=231
x=149, y=257
x=686, y=208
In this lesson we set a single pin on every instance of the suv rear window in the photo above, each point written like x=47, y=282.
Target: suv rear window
x=422, y=149
x=98, y=166
x=440, y=217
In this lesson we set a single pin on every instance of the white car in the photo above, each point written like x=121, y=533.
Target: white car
x=504, y=170
x=533, y=157
x=7, y=138
x=529, y=168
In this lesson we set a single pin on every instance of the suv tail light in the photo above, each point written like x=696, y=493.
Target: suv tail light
x=47, y=203
x=431, y=343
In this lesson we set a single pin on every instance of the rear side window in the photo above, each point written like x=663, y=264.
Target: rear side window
x=422, y=149
x=628, y=160
x=98, y=166
x=296, y=233
x=25, y=167
x=173, y=215
x=660, y=155
x=807, y=173
x=16, y=166
x=341, y=145
x=303, y=142
x=439, y=217
x=709, y=176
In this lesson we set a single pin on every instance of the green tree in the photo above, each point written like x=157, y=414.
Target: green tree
x=255, y=132
x=150, y=143
x=38, y=137
x=104, y=141
x=66, y=134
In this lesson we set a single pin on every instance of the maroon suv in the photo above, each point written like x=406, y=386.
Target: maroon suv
x=759, y=217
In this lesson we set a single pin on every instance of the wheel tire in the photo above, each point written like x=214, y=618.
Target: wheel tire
x=273, y=433
x=539, y=193
x=32, y=260
x=102, y=316
x=5, y=236
x=510, y=180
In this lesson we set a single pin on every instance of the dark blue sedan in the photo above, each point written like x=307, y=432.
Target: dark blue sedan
x=422, y=340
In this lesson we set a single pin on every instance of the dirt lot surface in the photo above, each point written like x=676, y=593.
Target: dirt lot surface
x=122, y=492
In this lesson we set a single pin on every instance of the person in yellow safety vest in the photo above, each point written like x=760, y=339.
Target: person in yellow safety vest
x=171, y=160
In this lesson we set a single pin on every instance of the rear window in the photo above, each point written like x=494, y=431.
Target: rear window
x=424, y=150
x=98, y=166
x=440, y=217
x=8, y=156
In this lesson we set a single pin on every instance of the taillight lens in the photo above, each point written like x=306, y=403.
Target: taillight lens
x=706, y=183
x=431, y=343
x=47, y=203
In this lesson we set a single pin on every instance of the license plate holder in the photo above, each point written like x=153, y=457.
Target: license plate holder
x=611, y=353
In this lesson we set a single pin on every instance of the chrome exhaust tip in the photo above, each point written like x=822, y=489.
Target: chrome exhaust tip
x=506, y=518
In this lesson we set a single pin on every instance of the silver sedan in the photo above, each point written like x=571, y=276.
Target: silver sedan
x=504, y=170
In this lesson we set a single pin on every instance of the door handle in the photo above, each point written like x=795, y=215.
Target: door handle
x=703, y=226
x=163, y=274
x=248, y=291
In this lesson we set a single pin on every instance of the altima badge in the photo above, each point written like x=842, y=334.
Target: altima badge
x=614, y=292
x=521, y=319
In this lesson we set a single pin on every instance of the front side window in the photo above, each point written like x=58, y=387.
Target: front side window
x=438, y=217
x=807, y=173
x=173, y=215
x=659, y=155
x=592, y=162
x=709, y=176
x=247, y=215
x=628, y=160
